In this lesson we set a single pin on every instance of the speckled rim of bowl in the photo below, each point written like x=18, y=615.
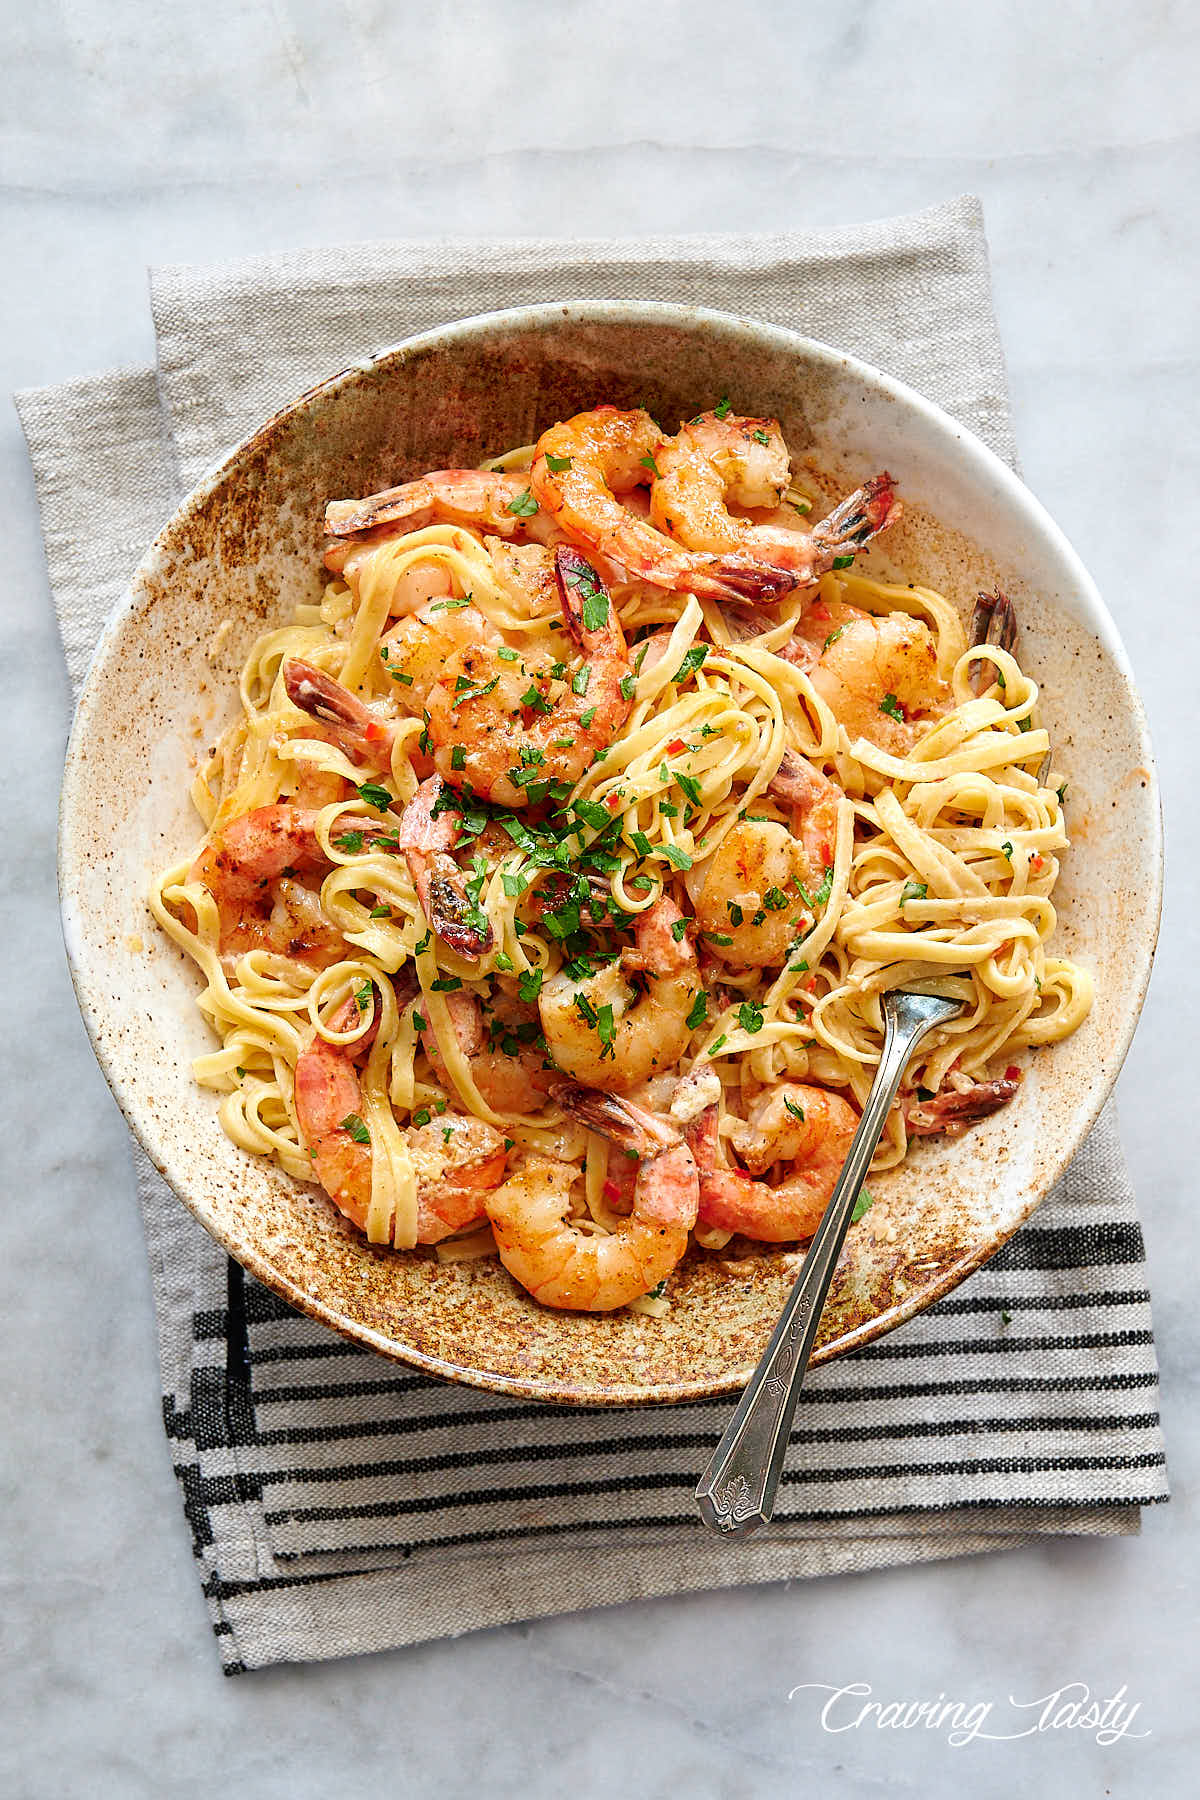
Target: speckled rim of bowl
x=975, y=457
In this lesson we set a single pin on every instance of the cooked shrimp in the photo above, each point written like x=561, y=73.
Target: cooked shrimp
x=713, y=462
x=950, y=1112
x=502, y=1042
x=878, y=675
x=456, y=1159
x=416, y=651
x=629, y=1020
x=579, y=469
x=563, y=1266
x=754, y=896
x=365, y=735
x=526, y=573
x=506, y=725
x=429, y=832
x=249, y=868
x=478, y=498
x=807, y=1129
x=413, y=584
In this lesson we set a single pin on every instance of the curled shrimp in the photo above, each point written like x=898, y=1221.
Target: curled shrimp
x=712, y=462
x=505, y=726
x=754, y=896
x=502, y=1046
x=877, y=673
x=429, y=832
x=807, y=1130
x=580, y=467
x=250, y=867
x=630, y=1019
x=564, y=1266
x=456, y=1158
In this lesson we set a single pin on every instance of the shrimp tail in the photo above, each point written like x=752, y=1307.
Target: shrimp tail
x=360, y=733
x=583, y=598
x=625, y=1123
x=994, y=621
x=738, y=578
x=858, y=518
x=428, y=833
x=950, y=1114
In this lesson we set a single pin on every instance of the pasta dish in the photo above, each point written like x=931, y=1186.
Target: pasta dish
x=559, y=856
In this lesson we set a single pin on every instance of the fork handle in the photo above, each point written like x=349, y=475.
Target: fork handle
x=736, y=1492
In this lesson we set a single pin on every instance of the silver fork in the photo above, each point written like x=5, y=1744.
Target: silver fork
x=736, y=1492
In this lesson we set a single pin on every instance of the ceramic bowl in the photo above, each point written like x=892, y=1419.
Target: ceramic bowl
x=245, y=547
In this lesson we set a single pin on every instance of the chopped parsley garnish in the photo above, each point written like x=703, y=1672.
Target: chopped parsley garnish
x=864, y=1202
x=504, y=961
x=593, y=814
x=375, y=796
x=797, y=1112
x=580, y=679
x=585, y=719
x=606, y=1030
x=350, y=841
x=532, y=698
x=241, y=1073
x=801, y=506
x=420, y=948
x=656, y=1292
x=458, y=757
x=690, y=786
x=641, y=843
x=465, y=691
x=628, y=684
x=524, y=506
x=890, y=704
x=451, y=605
x=358, y=1131
x=833, y=637
x=422, y=1116
x=800, y=968
x=843, y=562
x=648, y=462
x=723, y=407
x=679, y=930
x=1006, y=1318
x=557, y=465
x=364, y=996
x=595, y=611
x=446, y=984
x=420, y=1021
x=530, y=984
x=1062, y=793
x=913, y=890
x=692, y=659
x=736, y=915
x=381, y=911
x=506, y=654
x=679, y=858
x=775, y=899
x=750, y=1017
x=1007, y=849
x=716, y=1044
x=760, y=437
x=405, y=680
x=699, y=1012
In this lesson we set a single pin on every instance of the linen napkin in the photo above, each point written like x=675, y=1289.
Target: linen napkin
x=339, y=1504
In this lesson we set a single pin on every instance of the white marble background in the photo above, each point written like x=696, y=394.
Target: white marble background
x=135, y=131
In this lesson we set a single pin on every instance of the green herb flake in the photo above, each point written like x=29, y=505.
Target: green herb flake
x=716, y=1044
x=580, y=679
x=843, y=562
x=699, y=1012
x=692, y=660
x=750, y=1017
x=1007, y=848
x=679, y=859
x=382, y=911
x=585, y=719
x=890, y=704
x=364, y=996
x=530, y=984
x=804, y=507
x=1006, y=1318
x=241, y=1073
x=628, y=685
x=422, y=1116
x=723, y=408
x=446, y=984
x=504, y=962
x=375, y=796
x=913, y=890
x=797, y=1112
x=506, y=654
x=458, y=757
x=451, y=605
x=523, y=507
x=350, y=841
x=648, y=462
x=557, y=465
x=775, y=900
x=404, y=680
x=679, y=930
x=595, y=611
x=354, y=1125
x=833, y=637
x=863, y=1204
x=760, y=437
x=420, y=1021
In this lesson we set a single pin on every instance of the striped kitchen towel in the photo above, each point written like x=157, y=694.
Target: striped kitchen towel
x=340, y=1504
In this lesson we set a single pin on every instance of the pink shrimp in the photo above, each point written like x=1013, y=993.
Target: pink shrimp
x=429, y=832
x=807, y=1129
x=580, y=467
x=457, y=1159
x=562, y=1266
x=714, y=460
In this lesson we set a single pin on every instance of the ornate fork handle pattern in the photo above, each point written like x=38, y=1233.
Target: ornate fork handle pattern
x=737, y=1491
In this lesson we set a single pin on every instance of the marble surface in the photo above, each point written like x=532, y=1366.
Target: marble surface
x=136, y=132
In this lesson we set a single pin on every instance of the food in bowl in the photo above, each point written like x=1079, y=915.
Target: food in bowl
x=560, y=856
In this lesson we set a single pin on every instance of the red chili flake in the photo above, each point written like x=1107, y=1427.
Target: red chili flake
x=675, y=746
x=611, y=1191
x=613, y=802
x=1036, y=861
x=373, y=732
x=1012, y=1073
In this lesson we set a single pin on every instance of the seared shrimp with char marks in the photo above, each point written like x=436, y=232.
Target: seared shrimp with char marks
x=587, y=1271
x=504, y=724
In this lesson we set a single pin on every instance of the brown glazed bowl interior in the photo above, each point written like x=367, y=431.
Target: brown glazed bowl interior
x=245, y=547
